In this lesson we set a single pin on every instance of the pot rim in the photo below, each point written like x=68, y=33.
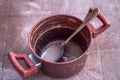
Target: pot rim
x=42, y=60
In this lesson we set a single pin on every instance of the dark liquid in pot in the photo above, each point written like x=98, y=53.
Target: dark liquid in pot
x=71, y=51
x=76, y=47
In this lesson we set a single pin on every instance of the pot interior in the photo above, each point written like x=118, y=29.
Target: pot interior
x=58, y=28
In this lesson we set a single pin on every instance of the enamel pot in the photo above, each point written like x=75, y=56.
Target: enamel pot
x=47, y=31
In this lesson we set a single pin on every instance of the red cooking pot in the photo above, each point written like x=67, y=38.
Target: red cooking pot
x=47, y=31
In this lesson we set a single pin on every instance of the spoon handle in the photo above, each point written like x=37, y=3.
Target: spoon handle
x=90, y=17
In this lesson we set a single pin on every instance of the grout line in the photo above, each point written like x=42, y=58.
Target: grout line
x=3, y=60
x=100, y=58
x=93, y=51
x=104, y=50
x=116, y=2
x=1, y=69
x=112, y=12
x=6, y=29
x=109, y=50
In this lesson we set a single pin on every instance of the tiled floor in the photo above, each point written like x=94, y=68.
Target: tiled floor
x=17, y=17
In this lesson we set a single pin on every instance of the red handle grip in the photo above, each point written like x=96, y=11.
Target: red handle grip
x=103, y=19
x=25, y=72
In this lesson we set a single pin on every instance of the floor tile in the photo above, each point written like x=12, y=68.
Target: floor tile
x=118, y=1
x=40, y=7
x=118, y=4
x=9, y=72
x=59, y=7
x=17, y=7
x=110, y=64
x=92, y=70
x=17, y=34
x=3, y=23
x=39, y=76
x=1, y=64
x=4, y=4
x=110, y=39
x=106, y=5
x=69, y=6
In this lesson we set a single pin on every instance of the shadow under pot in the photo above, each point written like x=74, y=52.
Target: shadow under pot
x=54, y=30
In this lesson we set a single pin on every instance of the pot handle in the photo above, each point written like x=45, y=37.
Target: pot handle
x=103, y=19
x=32, y=69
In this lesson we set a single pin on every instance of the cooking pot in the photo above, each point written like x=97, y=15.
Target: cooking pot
x=47, y=31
